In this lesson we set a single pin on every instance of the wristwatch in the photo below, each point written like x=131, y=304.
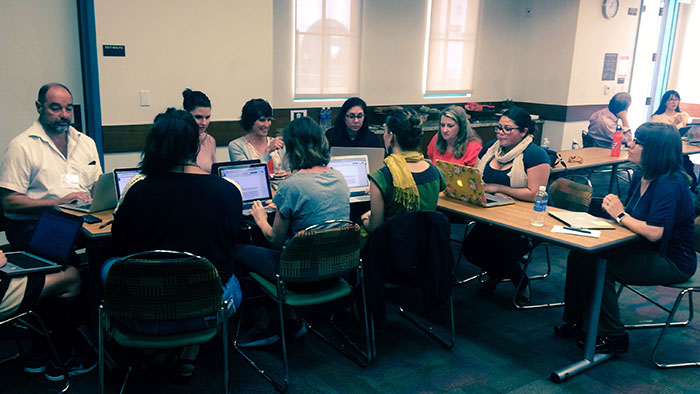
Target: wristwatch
x=620, y=217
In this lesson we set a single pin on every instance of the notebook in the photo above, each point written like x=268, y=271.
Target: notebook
x=253, y=179
x=465, y=184
x=104, y=196
x=50, y=246
x=354, y=170
x=122, y=176
x=375, y=155
x=582, y=220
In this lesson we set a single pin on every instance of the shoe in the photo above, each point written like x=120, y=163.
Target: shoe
x=490, y=285
x=568, y=330
x=185, y=367
x=295, y=329
x=256, y=336
x=35, y=364
x=73, y=365
x=523, y=295
x=606, y=344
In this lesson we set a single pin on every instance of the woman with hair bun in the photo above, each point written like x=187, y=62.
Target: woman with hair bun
x=197, y=103
x=406, y=182
x=512, y=166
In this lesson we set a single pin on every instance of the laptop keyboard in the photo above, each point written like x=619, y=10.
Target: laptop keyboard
x=358, y=193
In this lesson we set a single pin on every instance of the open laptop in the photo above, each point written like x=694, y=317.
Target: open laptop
x=465, y=184
x=375, y=155
x=122, y=176
x=50, y=246
x=253, y=179
x=354, y=170
x=692, y=132
x=104, y=196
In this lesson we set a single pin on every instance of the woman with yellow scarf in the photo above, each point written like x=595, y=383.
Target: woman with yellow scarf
x=406, y=182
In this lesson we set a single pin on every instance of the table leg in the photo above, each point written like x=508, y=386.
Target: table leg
x=590, y=358
x=614, y=185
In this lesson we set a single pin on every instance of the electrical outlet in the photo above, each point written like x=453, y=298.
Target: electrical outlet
x=296, y=113
x=144, y=98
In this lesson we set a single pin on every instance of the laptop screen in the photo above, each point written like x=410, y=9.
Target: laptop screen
x=353, y=168
x=54, y=235
x=252, y=178
x=122, y=176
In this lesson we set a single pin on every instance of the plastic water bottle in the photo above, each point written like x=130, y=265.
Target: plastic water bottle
x=575, y=144
x=540, y=208
x=325, y=121
x=545, y=143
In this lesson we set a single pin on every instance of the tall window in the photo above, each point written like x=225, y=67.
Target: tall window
x=451, y=46
x=326, y=48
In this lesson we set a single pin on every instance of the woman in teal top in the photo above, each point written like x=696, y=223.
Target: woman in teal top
x=406, y=182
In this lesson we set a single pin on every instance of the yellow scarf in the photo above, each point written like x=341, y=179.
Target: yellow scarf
x=405, y=189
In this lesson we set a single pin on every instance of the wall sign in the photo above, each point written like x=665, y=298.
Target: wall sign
x=609, y=66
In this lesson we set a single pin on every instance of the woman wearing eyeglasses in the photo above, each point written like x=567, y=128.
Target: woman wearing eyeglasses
x=669, y=111
x=456, y=141
x=512, y=166
x=351, y=127
x=256, y=119
x=659, y=208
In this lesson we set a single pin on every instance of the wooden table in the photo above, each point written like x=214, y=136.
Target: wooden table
x=516, y=217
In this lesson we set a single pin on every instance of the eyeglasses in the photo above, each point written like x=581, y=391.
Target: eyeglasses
x=638, y=142
x=266, y=119
x=355, y=116
x=503, y=129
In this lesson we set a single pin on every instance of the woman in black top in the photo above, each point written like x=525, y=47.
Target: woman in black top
x=351, y=127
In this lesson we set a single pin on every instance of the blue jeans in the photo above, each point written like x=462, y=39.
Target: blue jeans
x=232, y=294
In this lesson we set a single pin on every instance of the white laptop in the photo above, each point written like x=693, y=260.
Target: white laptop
x=122, y=176
x=104, y=196
x=375, y=155
x=253, y=179
x=354, y=169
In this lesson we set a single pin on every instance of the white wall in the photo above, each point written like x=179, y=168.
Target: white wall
x=684, y=76
x=38, y=44
x=223, y=48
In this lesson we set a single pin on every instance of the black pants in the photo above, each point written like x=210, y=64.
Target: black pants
x=497, y=251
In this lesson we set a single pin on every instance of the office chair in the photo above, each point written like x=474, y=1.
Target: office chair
x=161, y=285
x=319, y=256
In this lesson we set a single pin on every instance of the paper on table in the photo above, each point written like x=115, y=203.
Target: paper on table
x=589, y=233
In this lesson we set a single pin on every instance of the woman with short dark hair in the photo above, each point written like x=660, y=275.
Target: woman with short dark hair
x=197, y=103
x=659, y=207
x=351, y=127
x=175, y=205
x=256, y=119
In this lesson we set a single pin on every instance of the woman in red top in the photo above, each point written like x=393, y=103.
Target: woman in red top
x=456, y=141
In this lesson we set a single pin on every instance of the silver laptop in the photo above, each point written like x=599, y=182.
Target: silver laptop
x=50, y=246
x=354, y=170
x=375, y=155
x=104, y=196
x=122, y=176
x=254, y=181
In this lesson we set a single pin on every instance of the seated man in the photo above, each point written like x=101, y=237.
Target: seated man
x=603, y=123
x=49, y=164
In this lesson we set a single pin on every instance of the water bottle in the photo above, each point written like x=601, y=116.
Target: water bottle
x=325, y=122
x=540, y=208
x=616, y=143
x=545, y=143
x=575, y=144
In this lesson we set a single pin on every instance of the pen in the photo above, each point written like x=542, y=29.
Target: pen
x=572, y=229
x=106, y=224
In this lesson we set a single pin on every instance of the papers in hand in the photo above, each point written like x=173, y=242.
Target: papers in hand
x=576, y=231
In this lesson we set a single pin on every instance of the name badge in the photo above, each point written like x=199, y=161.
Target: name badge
x=70, y=181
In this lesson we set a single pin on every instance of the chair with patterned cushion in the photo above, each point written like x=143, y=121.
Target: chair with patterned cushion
x=311, y=272
x=160, y=286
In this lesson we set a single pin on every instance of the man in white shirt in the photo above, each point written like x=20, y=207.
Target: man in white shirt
x=49, y=164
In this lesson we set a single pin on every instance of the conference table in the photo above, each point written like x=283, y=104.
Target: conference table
x=516, y=217
x=591, y=158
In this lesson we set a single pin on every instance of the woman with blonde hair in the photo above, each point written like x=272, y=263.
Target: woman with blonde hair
x=456, y=141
